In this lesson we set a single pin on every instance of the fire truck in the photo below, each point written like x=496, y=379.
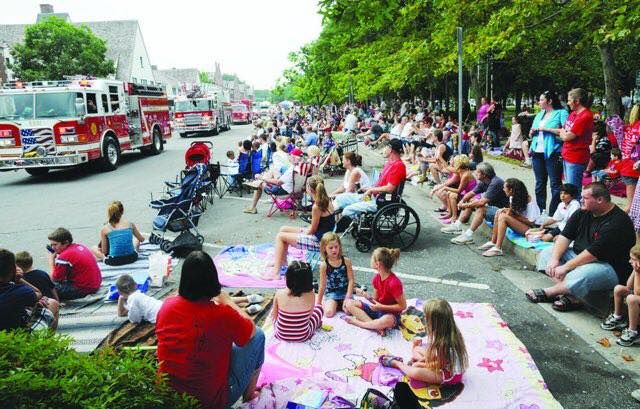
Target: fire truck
x=240, y=114
x=56, y=124
x=201, y=115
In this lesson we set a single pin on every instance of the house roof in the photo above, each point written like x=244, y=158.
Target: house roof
x=182, y=75
x=120, y=36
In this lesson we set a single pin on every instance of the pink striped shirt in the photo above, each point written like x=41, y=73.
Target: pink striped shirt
x=298, y=326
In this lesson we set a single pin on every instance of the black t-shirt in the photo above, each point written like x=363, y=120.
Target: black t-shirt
x=14, y=300
x=608, y=238
x=41, y=281
x=376, y=129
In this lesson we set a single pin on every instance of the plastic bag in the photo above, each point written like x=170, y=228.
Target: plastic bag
x=159, y=268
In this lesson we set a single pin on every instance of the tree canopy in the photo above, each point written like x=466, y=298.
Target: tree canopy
x=408, y=47
x=54, y=48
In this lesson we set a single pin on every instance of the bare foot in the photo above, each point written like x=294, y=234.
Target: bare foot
x=270, y=277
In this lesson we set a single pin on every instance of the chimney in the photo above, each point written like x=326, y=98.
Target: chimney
x=154, y=67
x=46, y=9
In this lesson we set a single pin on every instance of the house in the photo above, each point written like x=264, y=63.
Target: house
x=124, y=41
x=179, y=81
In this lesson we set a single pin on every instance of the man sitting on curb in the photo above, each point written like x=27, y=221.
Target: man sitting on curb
x=486, y=199
x=602, y=235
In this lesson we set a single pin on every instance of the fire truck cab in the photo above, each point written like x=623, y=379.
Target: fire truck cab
x=55, y=124
x=201, y=115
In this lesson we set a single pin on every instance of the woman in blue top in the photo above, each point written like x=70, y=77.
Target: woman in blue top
x=545, y=149
x=119, y=239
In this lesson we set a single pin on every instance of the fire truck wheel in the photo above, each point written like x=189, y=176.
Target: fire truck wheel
x=110, y=155
x=183, y=134
x=156, y=144
x=216, y=130
x=37, y=171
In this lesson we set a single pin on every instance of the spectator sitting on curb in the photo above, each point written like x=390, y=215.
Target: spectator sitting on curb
x=602, y=235
x=21, y=303
x=37, y=278
x=485, y=199
x=74, y=268
x=568, y=205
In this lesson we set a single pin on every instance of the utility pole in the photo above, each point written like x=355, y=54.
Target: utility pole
x=459, y=32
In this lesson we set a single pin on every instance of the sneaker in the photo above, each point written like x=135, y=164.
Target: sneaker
x=525, y=165
x=452, y=229
x=462, y=239
x=255, y=298
x=636, y=395
x=254, y=309
x=628, y=338
x=611, y=323
x=251, y=210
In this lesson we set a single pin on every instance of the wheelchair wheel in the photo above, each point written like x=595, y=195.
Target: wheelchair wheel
x=396, y=225
x=154, y=239
x=364, y=244
x=165, y=246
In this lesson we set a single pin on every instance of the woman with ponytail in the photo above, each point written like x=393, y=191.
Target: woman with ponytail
x=119, y=238
x=322, y=221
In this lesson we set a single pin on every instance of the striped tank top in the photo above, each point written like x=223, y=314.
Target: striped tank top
x=298, y=326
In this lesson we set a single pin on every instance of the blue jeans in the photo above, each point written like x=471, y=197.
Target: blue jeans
x=590, y=277
x=353, y=205
x=544, y=169
x=573, y=174
x=245, y=361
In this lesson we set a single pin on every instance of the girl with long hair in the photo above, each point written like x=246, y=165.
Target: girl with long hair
x=521, y=215
x=119, y=238
x=336, y=275
x=322, y=221
x=444, y=359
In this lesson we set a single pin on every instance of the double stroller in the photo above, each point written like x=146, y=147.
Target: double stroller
x=183, y=203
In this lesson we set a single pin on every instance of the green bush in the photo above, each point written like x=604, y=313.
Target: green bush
x=41, y=370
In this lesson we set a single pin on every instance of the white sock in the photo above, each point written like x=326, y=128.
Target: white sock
x=468, y=233
x=633, y=332
x=616, y=316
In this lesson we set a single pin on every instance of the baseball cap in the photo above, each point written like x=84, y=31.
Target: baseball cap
x=396, y=145
x=296, y=152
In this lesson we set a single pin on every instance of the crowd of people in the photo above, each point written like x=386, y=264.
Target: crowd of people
x=210, y=348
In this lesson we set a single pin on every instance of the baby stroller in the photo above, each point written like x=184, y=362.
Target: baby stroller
x=180, y=213
x=199, y=152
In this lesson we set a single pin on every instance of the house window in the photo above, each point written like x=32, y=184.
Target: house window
x=134, y=80
x=144, y=82
x=141, y=64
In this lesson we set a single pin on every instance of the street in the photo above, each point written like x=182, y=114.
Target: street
x=577, y=375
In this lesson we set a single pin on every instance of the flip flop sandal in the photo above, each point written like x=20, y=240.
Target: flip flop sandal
x=492, y=252
x=565, y=304
x=385, y=360
x=440, y=210
x=538, y=296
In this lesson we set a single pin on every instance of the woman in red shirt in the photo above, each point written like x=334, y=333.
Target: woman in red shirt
x=208, y=347
x=576, y=135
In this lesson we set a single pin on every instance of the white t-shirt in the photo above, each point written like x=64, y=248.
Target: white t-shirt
x=406, y=131
x=230, y=168
x=515, y=139
x=287, y=180
x=142, y=307
x=564, y=212
x=540, y=144
x=364, y=181
x=279, y=159
x=350, y=122
x=533, y=211
x=396, y=131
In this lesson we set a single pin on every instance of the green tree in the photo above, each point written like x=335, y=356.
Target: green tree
x=54, y=48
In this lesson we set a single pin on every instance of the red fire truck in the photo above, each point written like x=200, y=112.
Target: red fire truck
x=240, y=114
x=201, y=115
x=55, y=124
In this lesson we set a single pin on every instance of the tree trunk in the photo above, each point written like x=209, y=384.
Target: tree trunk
x=611, y=79
x=518, y=97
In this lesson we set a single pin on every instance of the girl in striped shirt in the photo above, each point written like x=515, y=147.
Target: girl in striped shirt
x=295, y=313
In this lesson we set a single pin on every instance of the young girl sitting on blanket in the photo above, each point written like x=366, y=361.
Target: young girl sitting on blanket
x=295, y=314
x=444, y=359
x=336, y=275
x=382, y=311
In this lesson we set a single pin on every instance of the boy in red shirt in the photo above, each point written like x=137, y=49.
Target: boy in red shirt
x=73, y=267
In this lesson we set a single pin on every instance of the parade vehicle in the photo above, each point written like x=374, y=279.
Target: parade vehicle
x=240, y=114
x=201, y=115
x=46, y=125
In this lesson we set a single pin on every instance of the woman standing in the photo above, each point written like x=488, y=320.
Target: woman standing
x=545, y=149
x=576, y=135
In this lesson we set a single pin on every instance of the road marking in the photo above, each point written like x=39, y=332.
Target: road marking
x=414, y=277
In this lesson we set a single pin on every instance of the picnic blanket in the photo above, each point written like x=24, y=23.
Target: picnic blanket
x=244, y=266
x=521, y=241
x=344, y=362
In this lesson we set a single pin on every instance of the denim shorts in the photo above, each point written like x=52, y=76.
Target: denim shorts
x=629, y=180
x=275, y=190
x=374, y=315
x=244, y=362
x=491, y=213
x=335, y=295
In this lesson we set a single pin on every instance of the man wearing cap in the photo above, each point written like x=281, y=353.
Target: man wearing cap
x=280, y=186
x=393, y=174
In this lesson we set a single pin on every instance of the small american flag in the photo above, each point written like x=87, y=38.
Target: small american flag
x=33, y=138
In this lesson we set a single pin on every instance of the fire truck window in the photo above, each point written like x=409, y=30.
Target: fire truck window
x=113, y=96
x=105, y=103
x=92, y=104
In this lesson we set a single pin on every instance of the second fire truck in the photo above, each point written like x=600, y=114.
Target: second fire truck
x=201, y=115
x=55, y=124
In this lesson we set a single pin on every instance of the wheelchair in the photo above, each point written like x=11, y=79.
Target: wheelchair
x=394, y=224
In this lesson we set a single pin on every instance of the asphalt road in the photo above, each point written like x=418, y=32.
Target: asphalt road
x=31, y=207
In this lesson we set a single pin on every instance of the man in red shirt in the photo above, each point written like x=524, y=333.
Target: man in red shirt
x=576, y=135
x=73, y=267
x=208, y=347
x=393, y=174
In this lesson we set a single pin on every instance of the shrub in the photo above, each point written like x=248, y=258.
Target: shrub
x=41, y=370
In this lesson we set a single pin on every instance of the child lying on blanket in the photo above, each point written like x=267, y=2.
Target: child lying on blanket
x=444, y=359
x=383, y=310
x=336, y=275
x=295, y=314
x=133, y=304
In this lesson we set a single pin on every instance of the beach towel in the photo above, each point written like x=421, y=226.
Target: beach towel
x=345, y=362
x=244, y=266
